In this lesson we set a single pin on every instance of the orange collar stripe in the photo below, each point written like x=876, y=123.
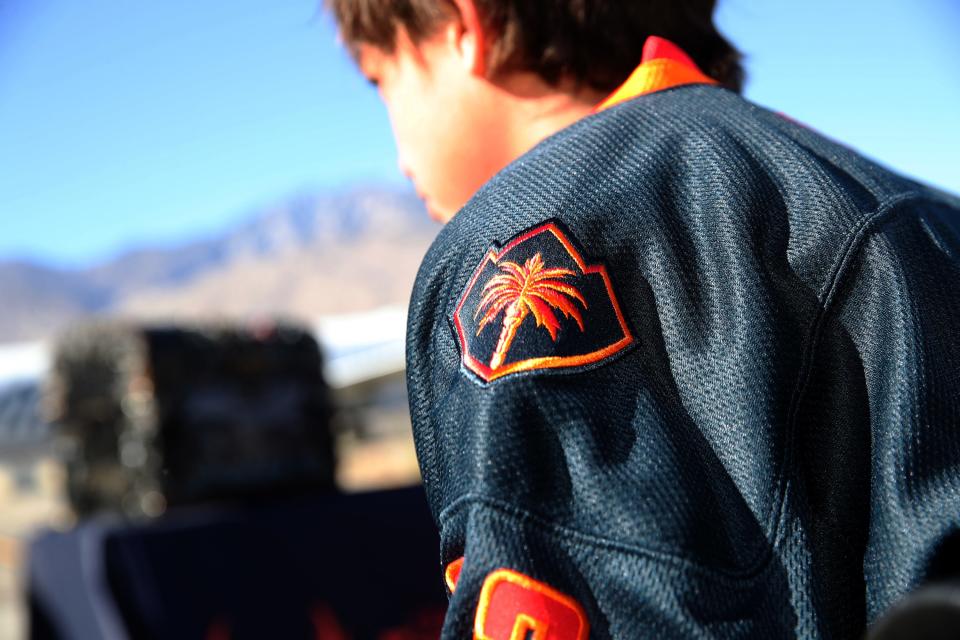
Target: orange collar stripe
x=657, y=73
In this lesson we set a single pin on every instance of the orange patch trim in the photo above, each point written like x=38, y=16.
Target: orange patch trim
x=451, y=574
x=513, y=605
x=547, y=362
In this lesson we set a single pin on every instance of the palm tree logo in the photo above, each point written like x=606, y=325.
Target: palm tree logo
x=525, y=290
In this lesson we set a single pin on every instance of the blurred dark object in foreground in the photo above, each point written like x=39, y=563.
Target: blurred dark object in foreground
x=157, y=417
x=332, y=567
x=930, y=613
x=226, y=434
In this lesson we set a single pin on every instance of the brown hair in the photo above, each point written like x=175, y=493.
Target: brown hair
x=596, y=43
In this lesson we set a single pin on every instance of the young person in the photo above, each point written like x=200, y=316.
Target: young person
x=677, y=365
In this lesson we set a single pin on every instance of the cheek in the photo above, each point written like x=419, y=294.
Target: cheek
x=448, y=145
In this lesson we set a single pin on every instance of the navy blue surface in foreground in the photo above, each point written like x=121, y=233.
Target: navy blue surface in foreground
x=352, y=566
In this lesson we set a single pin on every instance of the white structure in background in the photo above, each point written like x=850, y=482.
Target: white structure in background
x=23, y=362
x=360, y=347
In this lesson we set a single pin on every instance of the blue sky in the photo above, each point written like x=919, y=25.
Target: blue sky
x=125, y=122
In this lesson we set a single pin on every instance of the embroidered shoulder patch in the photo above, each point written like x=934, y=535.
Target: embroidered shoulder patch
x=536, y=304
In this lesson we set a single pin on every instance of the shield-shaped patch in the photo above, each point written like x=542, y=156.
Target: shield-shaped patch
x=536, y=304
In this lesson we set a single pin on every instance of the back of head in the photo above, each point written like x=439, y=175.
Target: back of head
x=595, y=43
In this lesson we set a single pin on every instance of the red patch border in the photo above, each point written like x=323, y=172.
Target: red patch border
x=547, y=362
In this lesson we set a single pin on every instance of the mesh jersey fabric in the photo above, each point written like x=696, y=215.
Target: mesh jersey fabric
x=777, y=454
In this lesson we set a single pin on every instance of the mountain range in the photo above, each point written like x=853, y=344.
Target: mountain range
x=309, y=255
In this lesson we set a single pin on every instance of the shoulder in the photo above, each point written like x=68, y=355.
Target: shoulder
x=695, y=167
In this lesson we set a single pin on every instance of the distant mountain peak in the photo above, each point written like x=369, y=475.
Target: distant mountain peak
x=286, y=252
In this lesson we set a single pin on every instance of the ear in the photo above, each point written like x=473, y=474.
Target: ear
x=470, y=41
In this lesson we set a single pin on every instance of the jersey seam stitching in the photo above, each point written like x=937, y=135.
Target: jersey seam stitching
x=749, y=573
x=854, y=243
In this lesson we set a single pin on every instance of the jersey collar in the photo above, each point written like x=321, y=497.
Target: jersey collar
x=662, y=65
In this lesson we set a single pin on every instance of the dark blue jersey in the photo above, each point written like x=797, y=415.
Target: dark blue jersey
x=688, y=369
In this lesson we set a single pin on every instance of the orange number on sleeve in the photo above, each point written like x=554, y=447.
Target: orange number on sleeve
x=516, y=607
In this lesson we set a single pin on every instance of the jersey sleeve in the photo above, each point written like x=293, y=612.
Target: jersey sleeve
x=882, y=406
x=562, y=458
